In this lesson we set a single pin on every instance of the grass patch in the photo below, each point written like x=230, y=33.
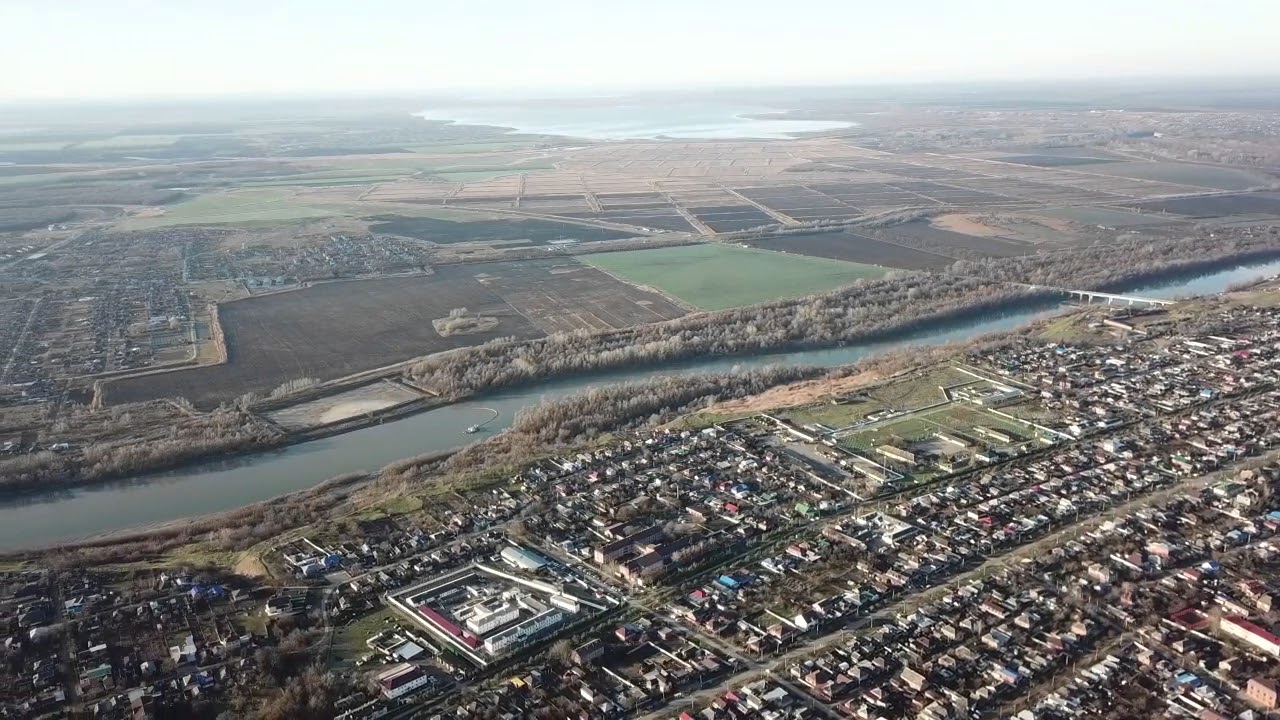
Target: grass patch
x=349, y=641
x=715, y=276
x=920, y=390
x=835, y=416
x=403, y=505
x=956, y=418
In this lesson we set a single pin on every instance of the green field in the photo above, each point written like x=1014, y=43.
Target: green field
x=132, y=141
x=954, y=418
x=251, y=206
x=715, y=277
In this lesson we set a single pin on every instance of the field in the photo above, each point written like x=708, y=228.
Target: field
x=507, y=231
x=923, y=231
x=563, y=295
x=855, y=248
x=248, y=206
x=715, y=277
x=955, y=419
x=335, y=329
x=1109, y=217
x=131, y=141
x=1217, y=205
x=1205, y=176
x=329, y=331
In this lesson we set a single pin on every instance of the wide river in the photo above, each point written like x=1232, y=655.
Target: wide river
x=45, y=518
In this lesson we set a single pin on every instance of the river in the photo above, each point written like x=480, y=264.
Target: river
x=41, y=519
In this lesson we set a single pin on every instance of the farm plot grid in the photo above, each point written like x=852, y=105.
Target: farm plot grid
x=852, y=247
x=722, y=187
x=331, y=330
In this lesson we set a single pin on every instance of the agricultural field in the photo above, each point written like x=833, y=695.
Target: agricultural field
x=852, y=247
x=939, y=240
x=1049, y=161
x=1108, y=217
x=1211, y=177
x=562, y=295
x=513, y=231
x=276, y=338
x=1261, y=203
x=130, y=141
x=248, y=206
x=715, y=276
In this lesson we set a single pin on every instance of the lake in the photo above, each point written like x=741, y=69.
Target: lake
x=630, y=120
x=40, y=519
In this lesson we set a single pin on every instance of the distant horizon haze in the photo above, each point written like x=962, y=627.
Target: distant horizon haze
x=150, y=50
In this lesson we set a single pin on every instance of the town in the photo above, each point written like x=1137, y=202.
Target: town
x=1016, y=532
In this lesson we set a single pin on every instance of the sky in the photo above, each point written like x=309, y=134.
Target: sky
x=92, y=49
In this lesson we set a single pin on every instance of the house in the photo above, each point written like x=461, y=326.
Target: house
x=1262, y=693
x=588, y=652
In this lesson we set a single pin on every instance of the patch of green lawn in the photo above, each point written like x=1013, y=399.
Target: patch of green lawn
x=716, y=276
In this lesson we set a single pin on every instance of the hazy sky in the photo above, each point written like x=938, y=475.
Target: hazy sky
x=114, y=48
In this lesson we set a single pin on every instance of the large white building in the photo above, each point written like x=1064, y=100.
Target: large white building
x=521, y=632
x=522, y=559
x=1259, y=637
x=486, y=617
x=401, y=680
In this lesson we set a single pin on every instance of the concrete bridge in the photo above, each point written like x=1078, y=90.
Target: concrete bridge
x=1090, y=295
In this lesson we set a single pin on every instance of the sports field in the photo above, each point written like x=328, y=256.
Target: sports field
x=715, y=277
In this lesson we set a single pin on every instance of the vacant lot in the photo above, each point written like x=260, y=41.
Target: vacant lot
x=856, y=248
x=533, y=232
x=349, y=404
x=329, y=331
x=562, y=295
x=716, y=276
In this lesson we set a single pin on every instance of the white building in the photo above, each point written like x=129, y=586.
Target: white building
x=487, y=617
x=521, y=632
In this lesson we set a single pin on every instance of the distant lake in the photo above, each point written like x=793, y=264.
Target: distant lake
x=631, y=120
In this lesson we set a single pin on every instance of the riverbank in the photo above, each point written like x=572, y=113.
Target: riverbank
x=875, y=313
x=229, y=483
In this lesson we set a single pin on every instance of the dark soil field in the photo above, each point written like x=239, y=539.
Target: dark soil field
x=855, y=248
x=562, y=295
x=328, y=331
x=941, y=239
x=1262, y=203
x=732, y=218
x=660, y=220
x=536, y=232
